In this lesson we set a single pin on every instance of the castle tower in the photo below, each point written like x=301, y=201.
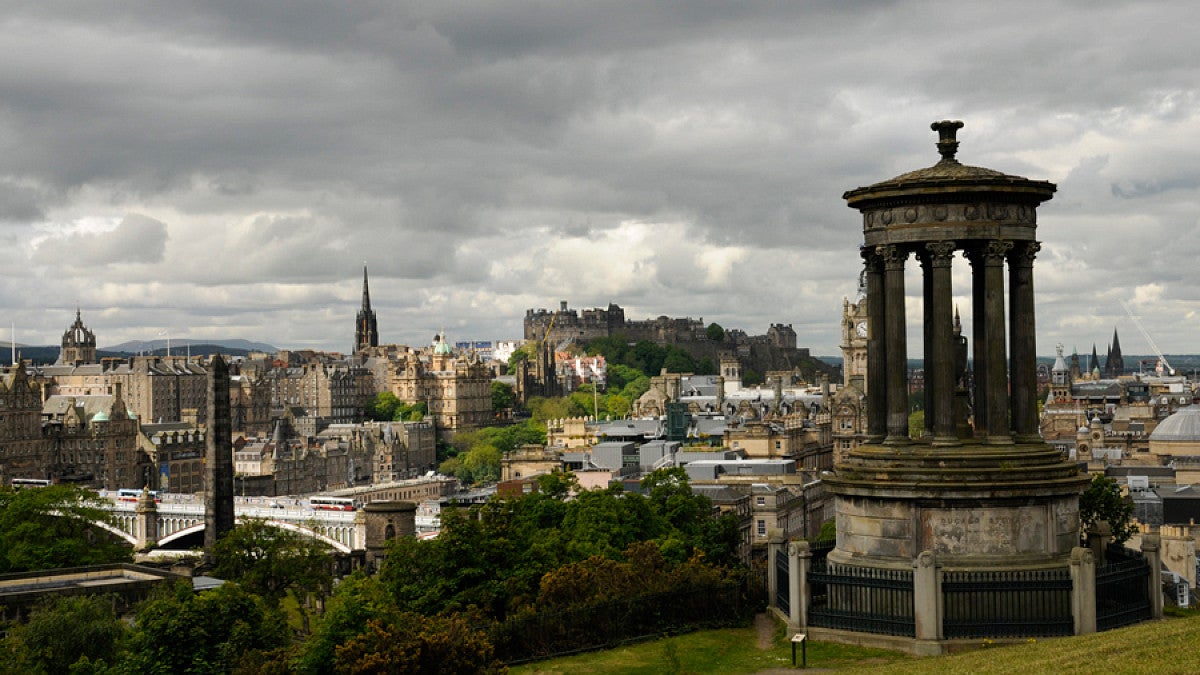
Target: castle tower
x=218, y=461
x=78, y=344
x=1001, y=498
x=366, y=333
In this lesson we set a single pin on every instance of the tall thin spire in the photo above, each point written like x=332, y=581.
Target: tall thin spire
x=366, y=333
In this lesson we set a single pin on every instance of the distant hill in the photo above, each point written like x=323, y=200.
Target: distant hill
x=181, y=347
x=49, y=354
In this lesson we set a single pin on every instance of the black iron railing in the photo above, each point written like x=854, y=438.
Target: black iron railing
x=1002, y=604
x=1122, y=592
x=782, y=581
x=862, y=599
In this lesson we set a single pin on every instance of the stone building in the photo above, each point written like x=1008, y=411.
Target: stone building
x=176, y=453
x=456, y=389
x=95, y=442
x=24, y=451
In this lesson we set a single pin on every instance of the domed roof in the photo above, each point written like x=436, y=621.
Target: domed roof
x=440, y=346
x=1184, y=425
x=949, y=175
x=100, y=417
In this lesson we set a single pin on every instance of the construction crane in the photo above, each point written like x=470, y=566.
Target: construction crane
x=1157, y=352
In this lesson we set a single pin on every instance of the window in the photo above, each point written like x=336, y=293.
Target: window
x=762, y=528
x=761, y=501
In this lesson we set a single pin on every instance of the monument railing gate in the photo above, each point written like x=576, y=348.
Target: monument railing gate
x=1122, y=589
x=861, y=599
x=783, y=583
x=1004, y=604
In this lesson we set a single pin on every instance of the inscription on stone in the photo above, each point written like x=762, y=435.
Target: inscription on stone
x=984, y=532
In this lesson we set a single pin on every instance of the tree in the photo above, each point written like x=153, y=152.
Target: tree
x=181, y=631
x=916, y=424
x=383, y=407
x=63, y=631
x=272, y=562
x=418, y=645
x=1103, y=501
x=503, y=397
x=55, y=526
x=715, y=332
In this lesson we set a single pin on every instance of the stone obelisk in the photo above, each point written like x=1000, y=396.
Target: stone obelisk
x=218, y=465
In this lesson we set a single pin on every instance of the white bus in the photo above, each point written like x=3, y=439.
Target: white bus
x=19, y=483
x=331, y=503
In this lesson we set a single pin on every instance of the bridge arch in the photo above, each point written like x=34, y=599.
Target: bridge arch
x=291, y=527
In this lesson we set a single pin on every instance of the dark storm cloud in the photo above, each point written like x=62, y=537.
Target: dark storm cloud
x=680, y=158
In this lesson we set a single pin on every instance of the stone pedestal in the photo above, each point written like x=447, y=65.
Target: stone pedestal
x=974, y=506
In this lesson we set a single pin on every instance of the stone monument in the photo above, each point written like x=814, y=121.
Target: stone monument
x=979, y=489
x=218, y=458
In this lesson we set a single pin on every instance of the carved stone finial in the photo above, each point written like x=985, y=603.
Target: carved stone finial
x=947, y=144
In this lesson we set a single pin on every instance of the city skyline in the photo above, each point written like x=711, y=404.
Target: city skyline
x=220, y=173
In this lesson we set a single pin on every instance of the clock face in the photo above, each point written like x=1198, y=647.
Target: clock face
x=861, y=328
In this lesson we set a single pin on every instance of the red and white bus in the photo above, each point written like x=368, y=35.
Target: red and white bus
x=331, y=503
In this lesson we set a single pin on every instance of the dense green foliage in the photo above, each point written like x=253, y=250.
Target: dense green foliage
x=503, y=396
x=493, y=558
x=474, y=456
x=181, y=631
x=63, y=631
x=1103, y=501
x=715, y=332
x=272, y=562
x=649, y=357
x=386, y=407
x=55, y=526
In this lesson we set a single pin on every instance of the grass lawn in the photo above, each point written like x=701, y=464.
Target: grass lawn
x=1162, y=647
x=729, y=651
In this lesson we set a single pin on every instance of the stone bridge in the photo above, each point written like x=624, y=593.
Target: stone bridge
x=178, y=516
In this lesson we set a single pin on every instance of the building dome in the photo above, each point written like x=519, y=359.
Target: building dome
x=440, y=346
x=100, y=417
x=1184, y=425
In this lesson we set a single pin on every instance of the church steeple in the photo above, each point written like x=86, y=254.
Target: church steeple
x=1114, y=366
x=366, y=334
x=78, y=343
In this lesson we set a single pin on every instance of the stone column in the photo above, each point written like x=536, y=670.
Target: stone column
x=800, y=560
x=1083, y=590
x=1150, y=549
x=927, y=597
x=218, y=460
x=995, y=330
x=939, y=357
x=895, y=341
x=145, y=521
x=979, y=341
x=876, y=350
x=927, y=315
x=1023, y=342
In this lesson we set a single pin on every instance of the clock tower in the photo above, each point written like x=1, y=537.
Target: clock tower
x=854, y=342
x=849, y=404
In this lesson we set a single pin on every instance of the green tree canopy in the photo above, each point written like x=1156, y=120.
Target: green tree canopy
x=503, y=397
x=1103, y=501
x=55, y=526
x=272, y=562
x=64, y=631
x=715, y=332
x=181, y=631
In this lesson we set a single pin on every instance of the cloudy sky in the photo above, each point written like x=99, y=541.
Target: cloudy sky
x=224, y=169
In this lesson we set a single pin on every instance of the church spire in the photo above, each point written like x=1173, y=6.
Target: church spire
x=366, y=333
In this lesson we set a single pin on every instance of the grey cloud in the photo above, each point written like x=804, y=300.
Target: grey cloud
x=136, y=239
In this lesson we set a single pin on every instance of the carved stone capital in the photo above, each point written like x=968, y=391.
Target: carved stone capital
x=1023, y=254
x=940, y=253
x=995, y=251
x=893, y=256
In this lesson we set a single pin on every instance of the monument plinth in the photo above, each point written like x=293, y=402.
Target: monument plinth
x=979, y=489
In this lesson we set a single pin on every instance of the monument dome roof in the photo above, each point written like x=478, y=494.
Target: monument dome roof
x=1184, y=425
